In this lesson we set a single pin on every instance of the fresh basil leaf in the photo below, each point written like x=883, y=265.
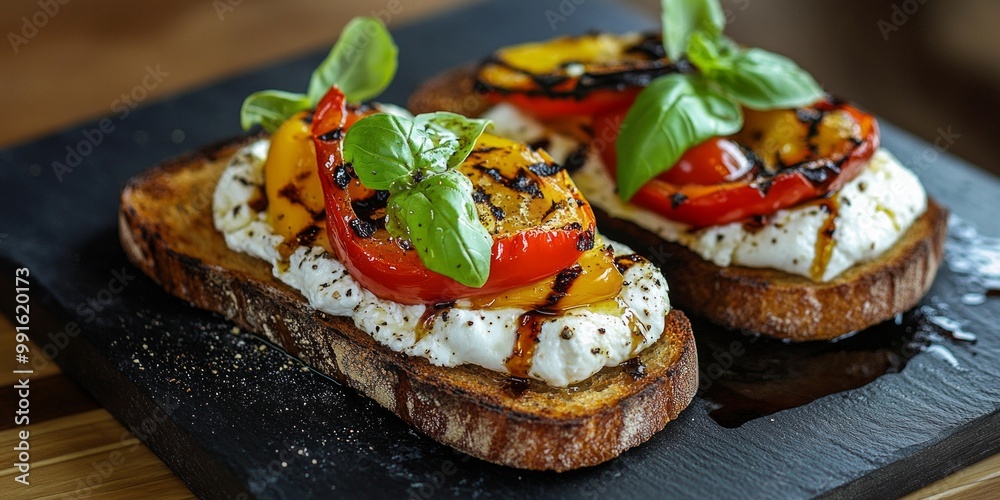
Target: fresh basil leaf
x=674, y=113
x=271, y=108
x=703, y=52
x=393, y=109
x=764, y=80
x=438, y=216
x=710, y=53
x=682, y=18
x=361, y=63
x=384, y=150
x=430, y=203
x=443, y=146
x=455, y=127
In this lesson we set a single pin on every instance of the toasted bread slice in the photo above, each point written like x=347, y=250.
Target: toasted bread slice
x=166, y=228
x=792, y=307
x=766, y=301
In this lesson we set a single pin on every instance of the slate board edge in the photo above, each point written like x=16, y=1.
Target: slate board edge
x=963, y=447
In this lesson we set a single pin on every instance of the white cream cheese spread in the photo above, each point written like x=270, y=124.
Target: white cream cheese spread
x=570, y=348
x=869, y=214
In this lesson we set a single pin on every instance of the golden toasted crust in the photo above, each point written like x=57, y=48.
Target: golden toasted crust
x=166, y=228
x=766, y=301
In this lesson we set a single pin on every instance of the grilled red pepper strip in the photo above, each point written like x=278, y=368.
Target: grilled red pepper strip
x=389, y=268
x=769, y=187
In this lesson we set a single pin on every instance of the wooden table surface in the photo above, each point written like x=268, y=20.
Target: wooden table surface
x=78, y=449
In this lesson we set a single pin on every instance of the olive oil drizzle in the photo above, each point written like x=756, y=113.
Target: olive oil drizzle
x=890, y=214
x=425, y=324
x=431, y=314
x=528, y=328
x=636, y=328
x=825, y=241
x=529, y=324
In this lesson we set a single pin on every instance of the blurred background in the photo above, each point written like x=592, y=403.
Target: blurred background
x=931, y=67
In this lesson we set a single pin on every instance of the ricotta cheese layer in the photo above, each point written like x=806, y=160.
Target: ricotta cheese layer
x=868, y=215
x=571, y=347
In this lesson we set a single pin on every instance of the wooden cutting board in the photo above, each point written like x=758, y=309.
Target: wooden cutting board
x=231, y=414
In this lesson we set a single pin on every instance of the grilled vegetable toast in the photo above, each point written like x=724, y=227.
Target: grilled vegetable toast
x=166, y=228
x=767, y=301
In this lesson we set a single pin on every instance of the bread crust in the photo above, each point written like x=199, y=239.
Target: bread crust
x=766, y=301
x=792, y=307
x=166, y=229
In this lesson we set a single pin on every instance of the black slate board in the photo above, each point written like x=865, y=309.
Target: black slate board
x=233, y=416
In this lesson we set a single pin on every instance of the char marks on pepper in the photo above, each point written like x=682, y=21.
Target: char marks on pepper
x=585, y=241
x=333, y=135
x=625, y=262
x=362, y=228
x=343, y=174
x=647, y=61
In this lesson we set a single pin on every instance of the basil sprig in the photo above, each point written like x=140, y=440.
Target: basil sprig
x=683, y=18
x=430, y=203
x=676, y=112
x=361, y=63
x=681, y=110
